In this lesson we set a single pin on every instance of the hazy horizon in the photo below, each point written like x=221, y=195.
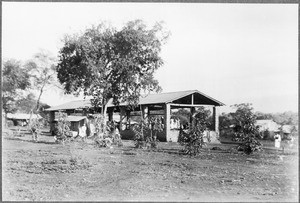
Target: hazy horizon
x=235, y=53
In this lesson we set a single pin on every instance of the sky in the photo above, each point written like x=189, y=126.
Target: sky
x=235, y=53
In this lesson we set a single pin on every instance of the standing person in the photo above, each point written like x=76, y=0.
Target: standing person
x=117, y=133
x=277, y=141
x=82, y=131
x=92, y=129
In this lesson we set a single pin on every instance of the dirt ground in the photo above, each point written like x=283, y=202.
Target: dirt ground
x=79, y=171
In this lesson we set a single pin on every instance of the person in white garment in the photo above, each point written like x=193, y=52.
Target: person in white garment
x=277, y=140
x=82, y=131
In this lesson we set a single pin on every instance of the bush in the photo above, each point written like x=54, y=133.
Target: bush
x=62, y=128
x=35, y=127
x=108, y=134
x=145, y=132
x=245, y=129
x=193, y=139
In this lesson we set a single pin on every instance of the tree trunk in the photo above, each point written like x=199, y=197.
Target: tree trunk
x=103, y=112
x=142, y=116
x=31, y=112
x=38, y=100
x=5, y=120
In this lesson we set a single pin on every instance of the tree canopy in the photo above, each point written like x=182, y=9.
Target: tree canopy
x=107, y=63
x=27, y=103
x=14, y=79
x=42, y=71
x=246, y=131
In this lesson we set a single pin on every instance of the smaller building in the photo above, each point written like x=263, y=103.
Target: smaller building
x=267, y=125
x=287, y=131
x=268, y=128
x=22, y=118
x=76, y=123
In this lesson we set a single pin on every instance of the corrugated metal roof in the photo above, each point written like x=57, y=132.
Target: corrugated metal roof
x=74, y=118
x=78, y=104
x=148, y=99
x=287, y=128
x=22, y=116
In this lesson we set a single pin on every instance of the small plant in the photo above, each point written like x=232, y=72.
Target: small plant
x=146, y=132
x=156, y=126
x=62, y=130
x=35, y=127
x=193, y=139
x=106, y=135
x=99, y=125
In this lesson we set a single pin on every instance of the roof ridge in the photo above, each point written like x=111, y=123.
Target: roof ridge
x=165, y=97
x=175, y=92
x=146, y=94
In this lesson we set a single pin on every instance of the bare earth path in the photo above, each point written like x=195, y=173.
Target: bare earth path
x=79, y=171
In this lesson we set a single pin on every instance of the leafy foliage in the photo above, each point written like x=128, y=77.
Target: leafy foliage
x=27, y=103
x=225, y=124
x=156, y=125
x=108, y=134
x=62, y=128
x=145, y=132
x=35, y=127
x=42, y=73
x=245, y=129
x=14, y=78
x=183, y=115
x=106, y=63
x=99, y=125
x=193, y=139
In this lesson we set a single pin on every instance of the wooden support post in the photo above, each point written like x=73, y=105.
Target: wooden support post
x=122, y=117
x=192, y=99
x=145, y=113
x=191, y=117
x=216, y=120
x=128, y=117
x=52, y=118
x=110, y=114
x=167, y=120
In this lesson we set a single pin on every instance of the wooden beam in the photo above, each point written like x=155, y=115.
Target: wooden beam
x=52, y=118
x=167, y=120
x=191, y=117
x=110, y=115
x=186, y=105
x=216, y=120
x=157, y=114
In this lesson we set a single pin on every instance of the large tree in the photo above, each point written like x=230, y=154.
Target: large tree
x=14, y=79
x=107, y=63
x=42, y=71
